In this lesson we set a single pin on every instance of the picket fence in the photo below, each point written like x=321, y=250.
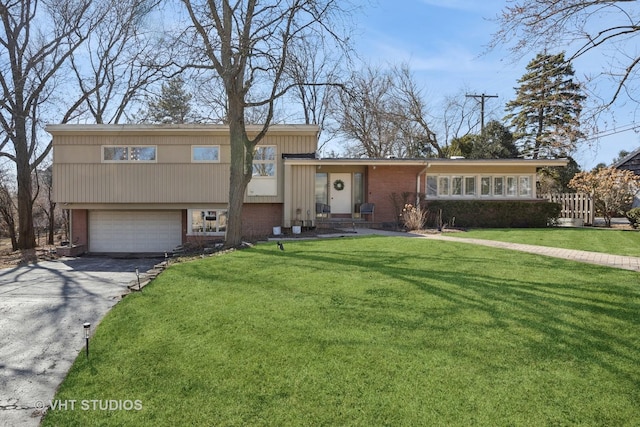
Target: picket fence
x=574, y=205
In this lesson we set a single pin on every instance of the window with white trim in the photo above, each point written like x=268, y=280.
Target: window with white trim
x=514, y=186
x=264, y=162
x=443, y=186
x=456, y=186
x=498, y=186
x=469, y=185
x=524, y=186
x=264, y=181
x=205, y=153
x=432, y=186
x=207, y=222
x=129, y=153
x=485, y=186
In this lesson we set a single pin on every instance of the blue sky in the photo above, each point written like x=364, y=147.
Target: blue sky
x=444, y=42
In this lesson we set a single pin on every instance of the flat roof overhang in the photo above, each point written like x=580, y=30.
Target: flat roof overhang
x=174, y=129
x=427, y=162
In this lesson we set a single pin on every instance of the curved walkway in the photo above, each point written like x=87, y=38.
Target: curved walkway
x=608, y=260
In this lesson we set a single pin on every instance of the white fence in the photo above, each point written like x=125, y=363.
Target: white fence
x=574, y=205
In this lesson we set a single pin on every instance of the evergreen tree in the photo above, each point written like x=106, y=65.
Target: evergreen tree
x=173, y=105
x=495, y=142
x=545, y=114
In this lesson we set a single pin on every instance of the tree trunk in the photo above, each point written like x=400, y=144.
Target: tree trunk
x=52, y=220
x=241, y=170
x=26, y=235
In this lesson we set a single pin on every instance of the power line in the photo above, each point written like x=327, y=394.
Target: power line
x=621, y=129
x=482, y=97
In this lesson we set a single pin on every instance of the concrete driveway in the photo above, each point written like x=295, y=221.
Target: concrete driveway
x=42, y=310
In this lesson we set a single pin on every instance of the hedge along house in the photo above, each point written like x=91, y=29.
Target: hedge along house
x=151, y=188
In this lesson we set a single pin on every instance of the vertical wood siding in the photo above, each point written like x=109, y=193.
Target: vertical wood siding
x=81, y=177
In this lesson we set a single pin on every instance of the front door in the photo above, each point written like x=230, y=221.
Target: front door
x=340, y=193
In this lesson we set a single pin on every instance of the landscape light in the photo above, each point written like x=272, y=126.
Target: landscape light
x=87, y=327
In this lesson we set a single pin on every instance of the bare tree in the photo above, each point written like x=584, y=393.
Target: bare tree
x=365, y=114
x=459, y=116
x=412, y=115
x=316, y=70
x=118, y=61
x=385, y=114
x=248, y=46
x=608, y=27
x=36, y=40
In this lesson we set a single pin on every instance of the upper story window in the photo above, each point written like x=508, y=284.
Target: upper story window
x=264, y=181
x=264, y=162
x=128, y=153
x=205, y=153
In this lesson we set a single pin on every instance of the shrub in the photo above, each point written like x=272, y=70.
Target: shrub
x=413, y=217
x=496, y=214
x=633, y=215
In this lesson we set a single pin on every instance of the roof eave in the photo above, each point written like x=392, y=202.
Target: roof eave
x=428, y=162
x=172, y=129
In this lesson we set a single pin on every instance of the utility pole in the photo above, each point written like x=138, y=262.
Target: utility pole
x=482, y=97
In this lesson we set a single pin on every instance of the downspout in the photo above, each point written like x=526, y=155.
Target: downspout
x=422, y=172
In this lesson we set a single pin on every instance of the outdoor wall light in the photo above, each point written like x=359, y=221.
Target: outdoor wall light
x=87, y=328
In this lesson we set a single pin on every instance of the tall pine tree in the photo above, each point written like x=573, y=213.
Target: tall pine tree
x=545, y=116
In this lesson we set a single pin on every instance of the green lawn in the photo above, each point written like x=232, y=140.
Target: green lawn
x=618, y=242
x=367, y=332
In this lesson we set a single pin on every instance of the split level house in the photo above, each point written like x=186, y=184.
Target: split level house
x=151, y=188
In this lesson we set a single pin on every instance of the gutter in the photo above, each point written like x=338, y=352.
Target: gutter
x=422, y=172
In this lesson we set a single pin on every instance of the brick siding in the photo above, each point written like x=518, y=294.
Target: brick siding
x=383, y=181
x=259, y=219
x=79, y=227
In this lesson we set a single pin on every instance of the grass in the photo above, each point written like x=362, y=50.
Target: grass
x=617, y=242
x=368, y=331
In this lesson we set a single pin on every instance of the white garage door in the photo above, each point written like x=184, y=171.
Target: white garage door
x=134, y=231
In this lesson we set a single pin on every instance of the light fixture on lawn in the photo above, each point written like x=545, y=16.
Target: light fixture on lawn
x=87, y=329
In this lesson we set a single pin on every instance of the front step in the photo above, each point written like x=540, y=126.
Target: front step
x=344, y=223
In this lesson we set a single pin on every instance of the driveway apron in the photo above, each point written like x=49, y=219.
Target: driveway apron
x=42, y=311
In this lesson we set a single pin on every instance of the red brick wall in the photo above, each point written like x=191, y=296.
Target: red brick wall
x=79, y=226
x=259, y=219
x=382, y=181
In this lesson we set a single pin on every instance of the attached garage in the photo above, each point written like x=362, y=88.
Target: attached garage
x=134, y=231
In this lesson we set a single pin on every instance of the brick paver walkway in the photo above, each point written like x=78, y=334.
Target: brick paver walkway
x=616, y=261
